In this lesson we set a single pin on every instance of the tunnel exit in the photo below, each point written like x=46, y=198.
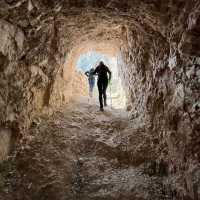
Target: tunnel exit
x=115, y=93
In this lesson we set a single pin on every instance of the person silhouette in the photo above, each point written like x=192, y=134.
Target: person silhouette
x=102, y=71
x=91, y=81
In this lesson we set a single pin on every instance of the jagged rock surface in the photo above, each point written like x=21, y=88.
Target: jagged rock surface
x=159, y=59
x=64, y=158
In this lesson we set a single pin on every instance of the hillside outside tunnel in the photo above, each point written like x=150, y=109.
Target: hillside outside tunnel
x=152, y=154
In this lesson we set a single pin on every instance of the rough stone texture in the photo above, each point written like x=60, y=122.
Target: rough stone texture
x=5, y=143
x=81, y=154
x=161, y=72
x=159, y=53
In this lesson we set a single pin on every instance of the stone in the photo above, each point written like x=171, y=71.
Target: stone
x=5, y=143
x=158, y=48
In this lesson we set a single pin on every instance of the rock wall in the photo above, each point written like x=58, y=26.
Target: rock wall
x=32, y=58
x=161, y=74
x=36, y=40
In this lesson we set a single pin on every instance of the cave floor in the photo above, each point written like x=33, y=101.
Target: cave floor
x=82, y=153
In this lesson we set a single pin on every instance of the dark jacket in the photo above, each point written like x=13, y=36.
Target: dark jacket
x=102, y=71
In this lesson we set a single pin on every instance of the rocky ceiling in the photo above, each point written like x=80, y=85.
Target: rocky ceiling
x=159, y=47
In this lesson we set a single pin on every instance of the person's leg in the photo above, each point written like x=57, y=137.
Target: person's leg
x=89, y=81
x=100, y=88
x=105, y=85
x=90, y=91
x=92, y=88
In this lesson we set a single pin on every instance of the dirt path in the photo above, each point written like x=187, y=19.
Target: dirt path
x=83, y=154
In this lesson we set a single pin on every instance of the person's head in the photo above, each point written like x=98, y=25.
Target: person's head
x=101, y=63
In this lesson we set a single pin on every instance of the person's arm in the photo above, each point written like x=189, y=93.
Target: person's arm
x=110, y=74
x=95, y=71
x=87, y=74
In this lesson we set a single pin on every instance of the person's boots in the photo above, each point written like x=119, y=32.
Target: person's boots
x=101, y=109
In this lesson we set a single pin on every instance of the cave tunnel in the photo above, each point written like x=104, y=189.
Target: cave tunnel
x=56, y=145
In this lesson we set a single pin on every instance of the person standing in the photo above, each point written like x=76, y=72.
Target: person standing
x=91, y=80
x=102, y=71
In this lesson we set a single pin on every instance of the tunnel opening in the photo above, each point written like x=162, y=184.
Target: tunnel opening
x=88, y=55
x=115, y=92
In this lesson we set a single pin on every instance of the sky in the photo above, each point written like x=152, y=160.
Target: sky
x=91, y=59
